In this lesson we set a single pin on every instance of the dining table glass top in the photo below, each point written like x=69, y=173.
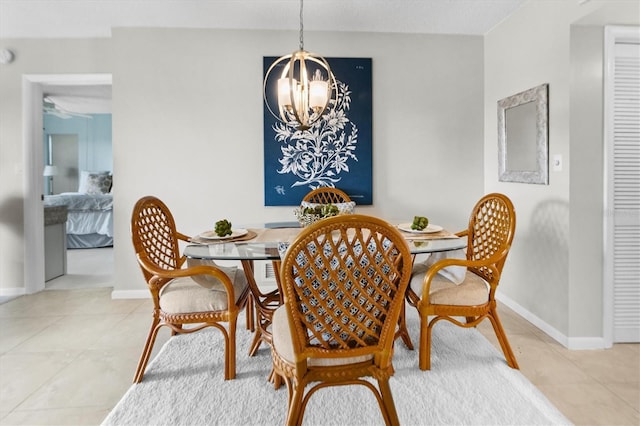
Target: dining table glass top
x=234, y=251
x=267, y=242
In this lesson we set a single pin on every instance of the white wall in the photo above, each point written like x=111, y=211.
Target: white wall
x=188, y=125
x=32, y=57
x=586, y=244
x=554, y=274
x=183, y=97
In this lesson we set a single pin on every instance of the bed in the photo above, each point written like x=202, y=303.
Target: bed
x=89, y=211
x=89, y=218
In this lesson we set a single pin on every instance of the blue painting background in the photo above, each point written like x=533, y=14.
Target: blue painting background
x=279, y=189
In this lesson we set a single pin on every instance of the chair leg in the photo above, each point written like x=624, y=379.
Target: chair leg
x=390, y=413
x=275, y=378
x=173, y=330
x=250, y=316
x=146, y=352
x=425, y=344
x=277, y=381
x=230, y=351
x=502, y=338
x=294, y=414
x=257, y=340
x=289, y=384
x=403, y=332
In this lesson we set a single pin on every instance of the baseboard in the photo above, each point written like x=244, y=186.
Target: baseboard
x=587, y=343
x=130, y=294
x=573, y=343
x=12, y=291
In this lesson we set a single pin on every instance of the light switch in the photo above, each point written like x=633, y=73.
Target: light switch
x=557, y=163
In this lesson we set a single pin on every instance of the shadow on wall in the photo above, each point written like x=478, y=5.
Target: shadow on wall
x=546, y=252
x=11, y=212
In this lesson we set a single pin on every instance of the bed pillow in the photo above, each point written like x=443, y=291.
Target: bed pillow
x=98, y=184
x=84, y=179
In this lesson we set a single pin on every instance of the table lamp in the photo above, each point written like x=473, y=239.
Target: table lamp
x=50, y=171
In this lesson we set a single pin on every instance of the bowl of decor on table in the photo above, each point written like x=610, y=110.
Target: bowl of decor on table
x=309, y=213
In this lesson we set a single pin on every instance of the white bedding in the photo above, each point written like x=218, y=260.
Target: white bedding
x=90, y=222
x=87, y=215
x=77, y=201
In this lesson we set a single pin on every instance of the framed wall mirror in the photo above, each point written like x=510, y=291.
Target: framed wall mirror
x=523, y=136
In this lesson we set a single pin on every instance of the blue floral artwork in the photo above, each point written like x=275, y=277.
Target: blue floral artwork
x=336, y=151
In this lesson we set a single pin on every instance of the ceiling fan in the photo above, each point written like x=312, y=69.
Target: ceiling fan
x=50, y=108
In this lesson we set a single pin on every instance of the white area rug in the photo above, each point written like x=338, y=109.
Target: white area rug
x=469, y=384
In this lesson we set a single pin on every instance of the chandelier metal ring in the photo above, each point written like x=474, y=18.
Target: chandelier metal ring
x=301, y=100
x=300, y=112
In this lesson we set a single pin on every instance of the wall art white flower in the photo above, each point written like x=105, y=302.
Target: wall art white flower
x=335, y=151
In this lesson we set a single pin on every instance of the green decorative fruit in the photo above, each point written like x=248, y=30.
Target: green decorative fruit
x=419, y=223
x=329, y=210
x=223, y=228
x=322, y=210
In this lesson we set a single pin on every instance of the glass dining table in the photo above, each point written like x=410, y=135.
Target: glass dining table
x=266, y=243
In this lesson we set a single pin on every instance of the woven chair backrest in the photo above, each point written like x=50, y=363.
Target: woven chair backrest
x=326, y=195
x=344, y=280
x=154, y=235
x=492, y=226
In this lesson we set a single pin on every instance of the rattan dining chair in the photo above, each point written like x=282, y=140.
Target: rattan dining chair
x=326, y=195
x=203, y=295
x=491, y=229
x=343, y=281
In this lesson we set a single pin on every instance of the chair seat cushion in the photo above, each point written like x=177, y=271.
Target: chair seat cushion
x=283, y=343
x=184, y=295
x=209, y=281
x=452, y=273
x=472, y=291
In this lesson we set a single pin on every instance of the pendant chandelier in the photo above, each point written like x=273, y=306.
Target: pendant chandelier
x=301, y=100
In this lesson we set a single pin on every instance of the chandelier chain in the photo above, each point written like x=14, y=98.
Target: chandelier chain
x=301, y=28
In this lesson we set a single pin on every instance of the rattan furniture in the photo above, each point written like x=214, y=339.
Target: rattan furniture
x=343, y=282
x=267, y=301
x=326, y=195
x=202, y=296
x=491, y=229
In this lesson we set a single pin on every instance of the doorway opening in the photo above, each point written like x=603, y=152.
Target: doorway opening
x=34, y=89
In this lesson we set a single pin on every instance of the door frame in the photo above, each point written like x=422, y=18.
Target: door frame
x=32, y=140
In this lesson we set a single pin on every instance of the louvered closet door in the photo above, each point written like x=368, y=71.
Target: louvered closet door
x=623, y=183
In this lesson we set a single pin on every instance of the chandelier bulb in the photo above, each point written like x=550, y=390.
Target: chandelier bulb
x=301, y=101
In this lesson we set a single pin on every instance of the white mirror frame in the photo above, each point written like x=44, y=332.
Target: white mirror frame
x=540, y=96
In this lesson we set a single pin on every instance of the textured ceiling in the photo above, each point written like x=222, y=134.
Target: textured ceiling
x=95, y=18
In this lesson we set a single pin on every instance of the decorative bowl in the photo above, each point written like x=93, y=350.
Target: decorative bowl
x=306, y=219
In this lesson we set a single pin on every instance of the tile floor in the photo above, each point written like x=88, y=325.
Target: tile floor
x=68, y=354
